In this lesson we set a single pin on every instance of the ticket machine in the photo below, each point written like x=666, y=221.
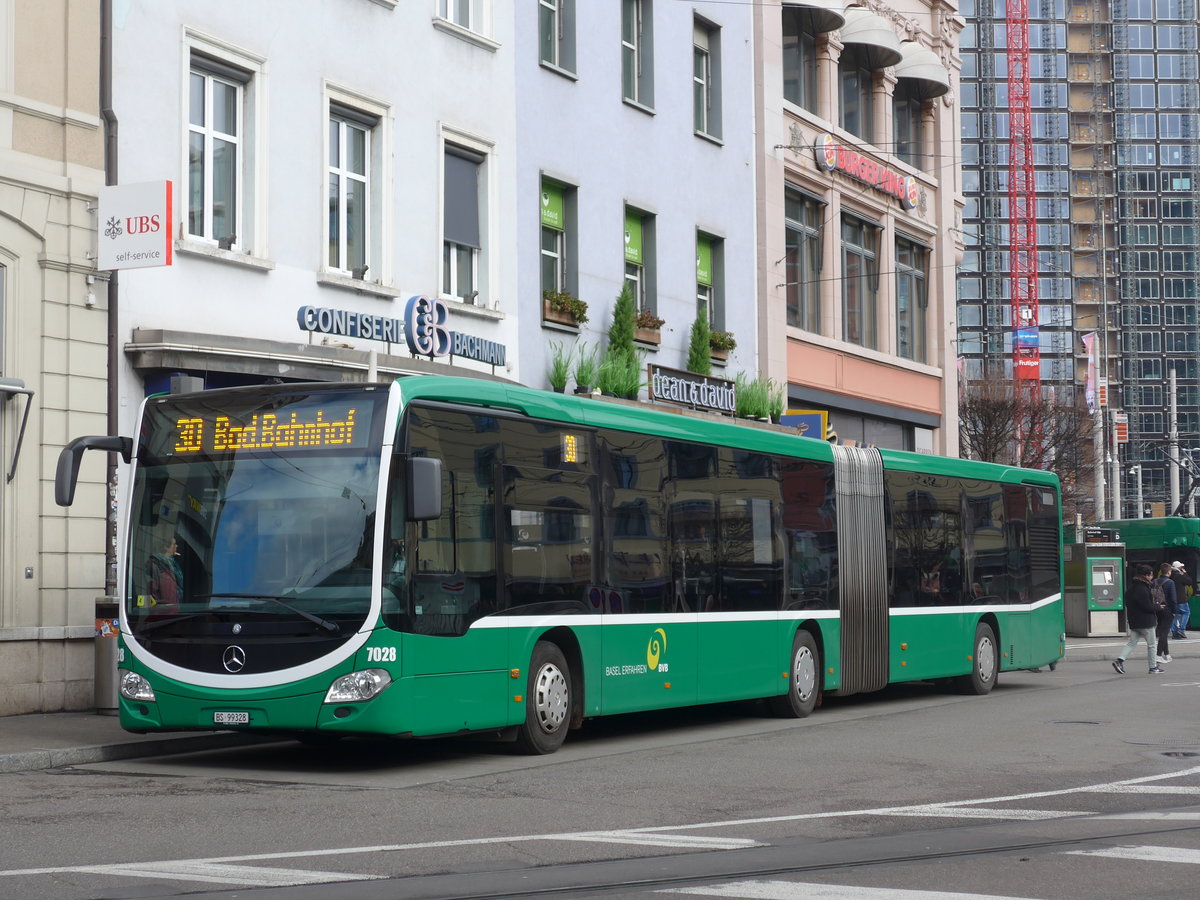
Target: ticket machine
x=1094, y=582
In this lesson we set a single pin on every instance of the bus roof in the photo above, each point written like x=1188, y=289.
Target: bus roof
x=1145, y=534
x=685, y=424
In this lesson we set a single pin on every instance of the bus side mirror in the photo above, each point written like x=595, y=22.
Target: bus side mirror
x=67, y=473
x=424, y=488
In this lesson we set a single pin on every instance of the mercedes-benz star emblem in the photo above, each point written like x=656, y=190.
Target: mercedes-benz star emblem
x=234, y=658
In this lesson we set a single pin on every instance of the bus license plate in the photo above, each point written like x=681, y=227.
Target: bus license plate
x=231, y=718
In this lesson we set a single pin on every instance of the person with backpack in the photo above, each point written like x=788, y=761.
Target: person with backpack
x=1142, y=618
x=1162, y=592
x=1183, y=597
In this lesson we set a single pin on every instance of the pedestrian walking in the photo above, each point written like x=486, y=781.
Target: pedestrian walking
x=1162, y=591
x=1142, y=619
x=1184, y=588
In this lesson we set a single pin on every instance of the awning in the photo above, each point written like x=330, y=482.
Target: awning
x=823, y=15
x=874, y=34
x=923, y=68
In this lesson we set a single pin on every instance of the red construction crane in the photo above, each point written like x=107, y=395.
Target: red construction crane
x=1022, y=209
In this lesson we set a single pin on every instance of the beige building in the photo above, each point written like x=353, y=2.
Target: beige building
x=859, y=203
x=53, y=365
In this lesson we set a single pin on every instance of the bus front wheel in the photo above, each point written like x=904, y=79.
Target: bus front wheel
x=804, y=680
x=985, y=663
x=547, y=701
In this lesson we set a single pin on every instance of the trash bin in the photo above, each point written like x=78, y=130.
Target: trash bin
x=108, y=626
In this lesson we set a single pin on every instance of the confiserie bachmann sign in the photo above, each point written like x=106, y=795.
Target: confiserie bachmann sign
x=692, y=390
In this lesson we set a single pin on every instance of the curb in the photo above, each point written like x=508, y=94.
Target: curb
x=58, y=757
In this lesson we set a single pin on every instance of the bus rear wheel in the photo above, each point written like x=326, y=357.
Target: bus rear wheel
x=985, y=663
x=547, y=701
x=804, y=680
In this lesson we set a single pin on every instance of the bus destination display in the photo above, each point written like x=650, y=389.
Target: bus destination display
x=299, y=429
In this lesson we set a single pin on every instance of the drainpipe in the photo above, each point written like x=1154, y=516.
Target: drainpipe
x=109, y=119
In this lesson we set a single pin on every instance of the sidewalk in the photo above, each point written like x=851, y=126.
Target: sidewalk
x=51, y=740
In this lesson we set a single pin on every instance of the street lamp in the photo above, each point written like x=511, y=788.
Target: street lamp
x=1136, y=472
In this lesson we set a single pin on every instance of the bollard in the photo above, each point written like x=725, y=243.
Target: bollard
x=108, y=626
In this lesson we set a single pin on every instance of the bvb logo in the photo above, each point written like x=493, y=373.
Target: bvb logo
x=654, y=650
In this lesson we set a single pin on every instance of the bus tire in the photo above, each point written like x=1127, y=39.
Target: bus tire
x=547, y=701
x=985, y=663
x=804, y=680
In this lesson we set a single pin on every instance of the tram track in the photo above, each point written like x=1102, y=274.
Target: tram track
x=601, y=878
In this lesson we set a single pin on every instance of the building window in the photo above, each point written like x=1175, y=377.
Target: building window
x=556, y=33
x=706, y=82
x=216, y=151
x=860, y=280
x=639, y=257
x=559, y=272
x=462, y=234
x=799, y=58
x=912, y=299
x=710, y=279
x=802, y=261
x=856, y=94
x=350, y=199
x=908, y=124
x=459, y=12
x=637, y=83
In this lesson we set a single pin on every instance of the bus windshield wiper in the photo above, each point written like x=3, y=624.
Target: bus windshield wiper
x=331, y=627
x=159, y=623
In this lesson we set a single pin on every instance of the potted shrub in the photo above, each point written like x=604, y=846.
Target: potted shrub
x=560, y=366
x=720, y=344
x=753, y=396
x=647, y=327
x=585, y=369
x=624, y=322
x=564, y=308
x=700, y=346
x=776, y=398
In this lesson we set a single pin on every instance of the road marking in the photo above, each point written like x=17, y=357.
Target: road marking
x=789, y=890
x=659, y=839
x=974, y=812
x=195, y=870
x=1156, y=816
x=667, y=833
x=1145, y=854
x=1148, y=789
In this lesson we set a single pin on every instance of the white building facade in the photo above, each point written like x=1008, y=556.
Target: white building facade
x=636, y=165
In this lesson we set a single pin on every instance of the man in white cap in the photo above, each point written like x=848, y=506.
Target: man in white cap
x=1183, y=594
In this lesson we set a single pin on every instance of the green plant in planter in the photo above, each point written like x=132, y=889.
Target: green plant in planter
x=753, y=396
x=647, y=319
x=775, y=399
x=560, y=366
x=699, y=358
x=620, y=374
x=585, y=368
x=624, y=319
x=722, y=341
x=568, y=303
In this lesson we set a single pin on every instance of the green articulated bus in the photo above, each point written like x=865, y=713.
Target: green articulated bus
x=444, y=555
x=1159, y=540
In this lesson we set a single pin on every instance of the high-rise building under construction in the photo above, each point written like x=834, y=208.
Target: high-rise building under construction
x=1114, y=114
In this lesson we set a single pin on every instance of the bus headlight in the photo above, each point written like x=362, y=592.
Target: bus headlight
x=358, y=686
x=134, y=687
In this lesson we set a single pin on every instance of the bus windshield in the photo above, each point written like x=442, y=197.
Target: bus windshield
x=257, y=505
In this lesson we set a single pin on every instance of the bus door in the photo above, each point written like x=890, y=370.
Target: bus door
x=650, y=636
x=548, y=557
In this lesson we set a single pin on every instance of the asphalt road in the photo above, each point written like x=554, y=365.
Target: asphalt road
x=1073, y=784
